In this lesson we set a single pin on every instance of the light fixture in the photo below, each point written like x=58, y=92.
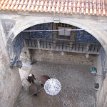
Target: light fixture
x=52, y=86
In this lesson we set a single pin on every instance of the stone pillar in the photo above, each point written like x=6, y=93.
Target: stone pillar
x=10, y=83
x=38, y=42
x=54, y=34
x=102, y=98
x=102, y=93
x=99, y=79
x=26, y=63
x=72, y=36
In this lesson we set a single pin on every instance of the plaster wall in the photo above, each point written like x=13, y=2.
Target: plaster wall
x=10, y=83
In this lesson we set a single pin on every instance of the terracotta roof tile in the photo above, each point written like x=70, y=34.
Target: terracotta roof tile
x=89, y=7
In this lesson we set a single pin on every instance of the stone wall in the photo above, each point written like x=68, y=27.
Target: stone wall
x=61, y=57
x=9, y=87
x=10, y=83
x=26, y=64
x=102, y=98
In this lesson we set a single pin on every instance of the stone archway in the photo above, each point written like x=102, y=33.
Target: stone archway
x=91, y=26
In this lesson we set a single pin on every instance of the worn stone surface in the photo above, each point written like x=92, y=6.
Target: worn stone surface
x=10, y=83
x=102, y=95
x=71, y=58
x=77, y=87
x=7, y=24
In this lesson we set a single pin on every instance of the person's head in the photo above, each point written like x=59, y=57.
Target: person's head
x=30, y=75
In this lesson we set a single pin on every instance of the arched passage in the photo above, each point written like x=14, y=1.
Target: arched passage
x=87, y=25
x=100, y=35
x=93, y=31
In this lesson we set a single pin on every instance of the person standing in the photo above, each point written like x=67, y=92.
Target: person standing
x=31, y=78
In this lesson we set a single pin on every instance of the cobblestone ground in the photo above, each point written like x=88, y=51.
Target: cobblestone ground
x=77, y=87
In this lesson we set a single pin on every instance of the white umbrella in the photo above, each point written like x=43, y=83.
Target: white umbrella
x=52, y=86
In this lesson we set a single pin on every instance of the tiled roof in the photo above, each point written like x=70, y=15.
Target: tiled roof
x=90, y=7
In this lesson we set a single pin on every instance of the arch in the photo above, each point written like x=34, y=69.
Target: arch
x=80, y=23
x=99, y=34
